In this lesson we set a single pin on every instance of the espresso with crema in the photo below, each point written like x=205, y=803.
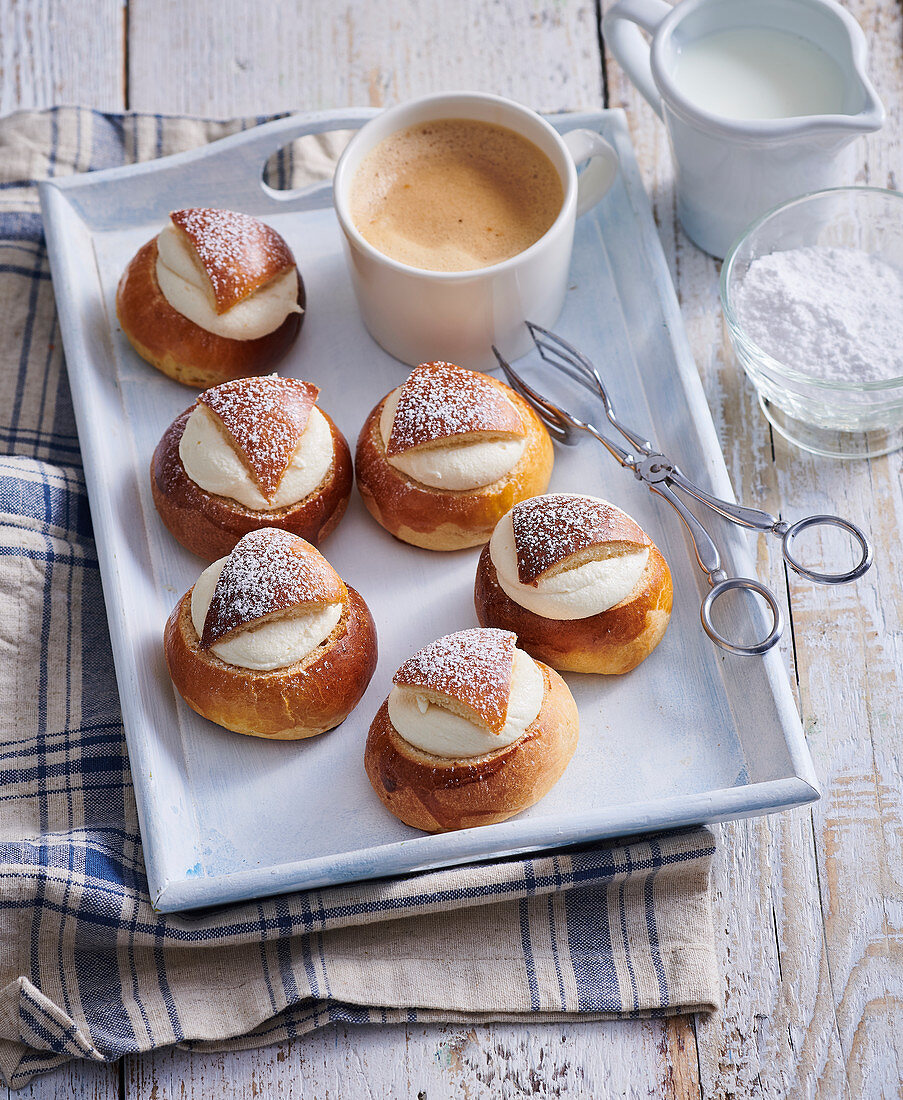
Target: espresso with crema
x=455, y=195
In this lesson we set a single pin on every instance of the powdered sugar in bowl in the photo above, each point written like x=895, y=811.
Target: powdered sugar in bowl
x=813, y=301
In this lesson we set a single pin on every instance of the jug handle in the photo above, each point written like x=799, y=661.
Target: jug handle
x=621, y=30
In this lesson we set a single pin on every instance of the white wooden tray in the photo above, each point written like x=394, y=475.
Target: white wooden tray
x=692, y=735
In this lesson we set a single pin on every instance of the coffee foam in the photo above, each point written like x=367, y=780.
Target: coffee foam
x=454, y=195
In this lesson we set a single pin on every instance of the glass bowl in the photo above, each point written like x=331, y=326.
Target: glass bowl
x=841, y=419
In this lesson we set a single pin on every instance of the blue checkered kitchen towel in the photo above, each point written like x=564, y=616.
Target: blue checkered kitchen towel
x=87, y=968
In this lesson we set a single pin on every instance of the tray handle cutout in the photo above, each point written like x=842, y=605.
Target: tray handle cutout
x=246, y=155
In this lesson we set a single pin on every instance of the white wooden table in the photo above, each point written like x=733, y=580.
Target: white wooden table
x=808, y=904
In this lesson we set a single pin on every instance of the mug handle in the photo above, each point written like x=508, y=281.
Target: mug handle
x=599, y=174
x=621, y=30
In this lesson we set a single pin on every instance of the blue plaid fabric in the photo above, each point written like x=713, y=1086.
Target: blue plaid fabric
x=87, y=968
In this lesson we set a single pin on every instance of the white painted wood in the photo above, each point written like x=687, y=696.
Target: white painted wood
x=72, y=1081
x=55, y=52
x=808, y=905
x=231, y=57
x=438, y=1061
x=687, y=768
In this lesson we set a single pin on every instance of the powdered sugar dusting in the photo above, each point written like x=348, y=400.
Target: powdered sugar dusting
x=550, y=528
x=265, y=418
x=239, y=253
x=472, y=666
x=440, y=400
x=269, y=570
x=833, y=313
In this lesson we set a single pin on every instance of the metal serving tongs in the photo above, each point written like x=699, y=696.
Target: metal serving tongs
x=663, y=477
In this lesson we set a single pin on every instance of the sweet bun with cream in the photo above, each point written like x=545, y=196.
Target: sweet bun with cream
x=254, y=452
x=445, y=455
x=270, y=641
x=215, y=295
x=473, y=731
x=581, y=584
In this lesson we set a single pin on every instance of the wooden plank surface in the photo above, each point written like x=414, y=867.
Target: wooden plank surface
x=435, y=1061
x=56, y=52
x=73, y=1081
x=233, y=58
x=808, y=905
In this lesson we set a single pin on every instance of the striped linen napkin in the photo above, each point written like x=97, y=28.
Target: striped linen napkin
x=87, y=968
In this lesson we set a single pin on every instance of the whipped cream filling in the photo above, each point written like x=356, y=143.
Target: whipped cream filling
x=435, y=730
x=270, y=645
x=453, y=465
x=576, y=593
x=212, y=462
x=186, y=286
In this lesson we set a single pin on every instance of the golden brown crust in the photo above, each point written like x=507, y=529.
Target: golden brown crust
x=269, y=573
x=446, y=519
x=302, y=700
x=436, y=794
x=180, y=348
x=210, y=525
x=263, y=419
x=470, y=669
x=554, y=531
x=440, y=400
x=239, y=253
x=612, y=642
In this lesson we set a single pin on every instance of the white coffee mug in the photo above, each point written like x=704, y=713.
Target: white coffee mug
x=419, y=315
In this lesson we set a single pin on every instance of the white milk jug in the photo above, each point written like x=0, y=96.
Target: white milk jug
x=761, y=101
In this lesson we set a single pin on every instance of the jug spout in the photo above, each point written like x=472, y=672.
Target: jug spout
x=863, y=110
x=839, y=130
x=870, y=116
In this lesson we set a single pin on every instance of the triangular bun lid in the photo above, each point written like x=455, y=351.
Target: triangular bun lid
x=440, y=400
x=264, y=418
x=268, y=573
x=239, y=253
x=471, y=668
x=551, y=529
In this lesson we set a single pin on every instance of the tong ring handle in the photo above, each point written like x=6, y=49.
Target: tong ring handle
x=746, y=583
x=804, y=524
